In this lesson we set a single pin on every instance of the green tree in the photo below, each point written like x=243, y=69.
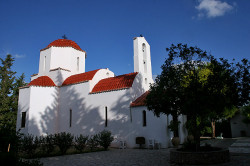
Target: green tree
x=246, y=113
x=165, y=95
x=9, y=91
x=195, y=84
x=243, y=76
x=7, y=78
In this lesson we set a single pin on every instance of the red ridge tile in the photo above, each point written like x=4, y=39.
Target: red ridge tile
x=63, y=43
x=80, y=77
x=42, y=81
x=140, y=101
x=115, y=83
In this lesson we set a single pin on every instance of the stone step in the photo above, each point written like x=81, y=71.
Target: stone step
x=241, y=144
x=239, y=149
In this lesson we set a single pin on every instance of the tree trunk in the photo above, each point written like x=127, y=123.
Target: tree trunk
x=213, y=129
x=196, y=135
x=175, y=121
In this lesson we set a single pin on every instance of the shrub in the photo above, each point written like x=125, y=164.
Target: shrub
x=29, y=143
x=47, y=143
x=93, y=142
x=9, y=137
x=105, y=139
x=63, y=141
x=81, y=142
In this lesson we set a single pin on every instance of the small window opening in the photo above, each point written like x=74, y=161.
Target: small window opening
x=106, y=116
x=23, y=119
x=44, y=63
x=77, y=63
x=144, y=57
x=146, y=80
x=70, y=118
x=144, y=118
x=143, y=47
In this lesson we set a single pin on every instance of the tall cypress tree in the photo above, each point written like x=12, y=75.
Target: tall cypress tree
x=9, y=91
x=6, y=89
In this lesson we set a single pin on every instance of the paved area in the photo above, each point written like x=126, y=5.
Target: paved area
x=140, y=157
x=113, y=157
x=241, y=145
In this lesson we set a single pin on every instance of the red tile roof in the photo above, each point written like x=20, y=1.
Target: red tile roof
x=114, y=83
x=140, y=101
x=63, y=43
x=42, y=81
x=83, y=77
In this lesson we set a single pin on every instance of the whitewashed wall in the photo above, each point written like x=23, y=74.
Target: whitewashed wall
x=23, y=106
x=237, y=126
x=88, y=110
x=43, y=110
x=156, y=128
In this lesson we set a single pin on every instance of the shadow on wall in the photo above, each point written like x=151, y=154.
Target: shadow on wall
x=89, y=119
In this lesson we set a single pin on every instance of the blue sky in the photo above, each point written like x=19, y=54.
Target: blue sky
x=105, y=29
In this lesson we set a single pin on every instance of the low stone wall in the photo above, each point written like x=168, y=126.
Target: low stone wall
x=212, y=157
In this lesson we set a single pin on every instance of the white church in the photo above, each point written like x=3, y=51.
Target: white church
x=63, y=97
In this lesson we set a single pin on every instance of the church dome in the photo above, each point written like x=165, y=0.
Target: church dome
x=63, y=43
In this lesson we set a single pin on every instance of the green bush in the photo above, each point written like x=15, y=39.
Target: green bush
x=47, y=143
x=93, y=142
x=9, y=137
x=105, y=139
x=81, y=142
x=63, y=141
x=29, y=143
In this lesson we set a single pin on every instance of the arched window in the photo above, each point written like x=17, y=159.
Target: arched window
x=144, y=118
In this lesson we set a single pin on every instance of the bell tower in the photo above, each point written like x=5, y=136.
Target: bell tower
x=142, y=59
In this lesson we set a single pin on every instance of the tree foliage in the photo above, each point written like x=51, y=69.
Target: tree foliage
x=9, y=91
x=246, y=113
x=195, y=84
